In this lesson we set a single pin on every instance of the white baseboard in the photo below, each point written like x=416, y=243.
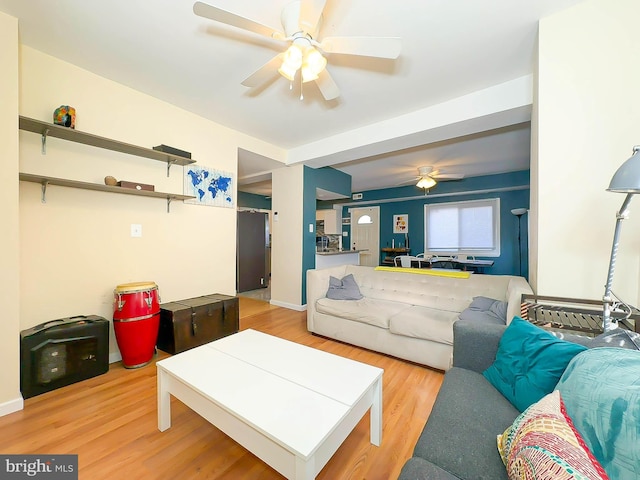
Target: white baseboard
x=115, y=357
x=290, y=306
x=11, y=406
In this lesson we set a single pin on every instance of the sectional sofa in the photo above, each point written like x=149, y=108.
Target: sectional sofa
x=601, y=396
x=408, y=313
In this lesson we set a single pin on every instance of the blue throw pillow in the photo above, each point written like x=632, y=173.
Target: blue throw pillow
x=481, y=303
x=529, y=363
x=487, y=310
x=601, y=390
x=345, y=289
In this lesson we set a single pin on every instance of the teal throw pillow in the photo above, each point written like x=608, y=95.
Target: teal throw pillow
x=601, y=391
x=529, y=363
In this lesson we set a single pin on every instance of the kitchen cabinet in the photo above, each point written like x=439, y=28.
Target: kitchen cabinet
x=331, y=220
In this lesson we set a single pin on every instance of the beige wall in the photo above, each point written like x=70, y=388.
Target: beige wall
x=588, y=117
x=76, y=247
x=10, y=399
x=286, y=248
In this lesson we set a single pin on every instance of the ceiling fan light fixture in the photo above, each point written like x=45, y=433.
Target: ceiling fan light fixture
x=426, y=182
x=312, y=64
x=291, y=62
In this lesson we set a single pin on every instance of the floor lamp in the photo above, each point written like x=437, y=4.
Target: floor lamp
x=519, y=212
x=625, y=180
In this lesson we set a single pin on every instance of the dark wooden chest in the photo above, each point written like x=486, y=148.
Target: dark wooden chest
x=192, y=322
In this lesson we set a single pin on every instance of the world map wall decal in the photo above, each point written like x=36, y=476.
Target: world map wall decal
x=210, y=187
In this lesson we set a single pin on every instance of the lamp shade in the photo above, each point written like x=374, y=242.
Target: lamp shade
x=627, y=177
x=291, y=62
x=312, y=64
x=426, y=182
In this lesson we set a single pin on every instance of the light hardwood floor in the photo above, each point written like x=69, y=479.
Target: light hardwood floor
x=110, y=420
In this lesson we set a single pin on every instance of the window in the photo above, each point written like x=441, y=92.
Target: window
x=470, y=228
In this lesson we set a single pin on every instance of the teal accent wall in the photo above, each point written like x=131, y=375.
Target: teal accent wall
x=328, y=179
x=516, y=195
x=251, y=200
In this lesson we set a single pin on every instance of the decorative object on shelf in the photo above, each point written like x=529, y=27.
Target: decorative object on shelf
x=46, y=129
x=172, y=151
x=210, y=187
x=111, y=181
x=519, y=212
x=136, y=186
x=625, y=180
x=65, y=115
x=401, y=223
x=45, y=181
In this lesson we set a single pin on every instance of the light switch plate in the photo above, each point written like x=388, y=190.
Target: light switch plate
x=136, y=230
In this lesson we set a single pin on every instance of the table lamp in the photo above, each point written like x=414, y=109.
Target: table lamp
x=625, y=180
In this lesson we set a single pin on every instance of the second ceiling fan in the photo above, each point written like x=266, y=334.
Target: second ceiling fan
x=427, y=177
x=305, y=56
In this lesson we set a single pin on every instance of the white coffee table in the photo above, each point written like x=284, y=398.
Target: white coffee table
x=290, y=405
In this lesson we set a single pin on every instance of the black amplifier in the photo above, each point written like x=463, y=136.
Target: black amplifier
x=61, y=352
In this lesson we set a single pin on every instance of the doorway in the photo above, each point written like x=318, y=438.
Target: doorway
x=365, y=234
x=253, y=245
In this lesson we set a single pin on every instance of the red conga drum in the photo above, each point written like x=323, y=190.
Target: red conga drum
x=136, y=319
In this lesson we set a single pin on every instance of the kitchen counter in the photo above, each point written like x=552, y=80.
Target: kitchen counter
x=335, y=257
x=339, y=252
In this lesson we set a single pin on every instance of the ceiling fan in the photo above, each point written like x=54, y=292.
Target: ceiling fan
x=428, y=177
x=305, y=55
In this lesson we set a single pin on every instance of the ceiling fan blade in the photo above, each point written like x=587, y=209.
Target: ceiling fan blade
x=380, y=47
x=310, y=14
x=228, y=18
x=448, y=176
x=408, y=182
x=327, y=86
x=264, y=73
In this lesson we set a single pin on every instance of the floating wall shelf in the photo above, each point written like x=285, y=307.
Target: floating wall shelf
x=52, y=130
x=62, y=182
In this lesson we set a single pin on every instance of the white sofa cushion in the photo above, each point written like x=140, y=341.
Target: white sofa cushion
x=425, y=323
x=366, y=310
x=442, y=293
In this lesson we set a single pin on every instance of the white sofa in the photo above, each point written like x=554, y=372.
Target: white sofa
x=406, y=315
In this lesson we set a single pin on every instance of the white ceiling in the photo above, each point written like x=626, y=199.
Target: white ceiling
x=450, y=48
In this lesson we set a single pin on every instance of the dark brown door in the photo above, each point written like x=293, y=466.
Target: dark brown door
x=252, y=251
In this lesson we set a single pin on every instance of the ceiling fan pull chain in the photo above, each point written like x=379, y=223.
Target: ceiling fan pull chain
x=301, y=96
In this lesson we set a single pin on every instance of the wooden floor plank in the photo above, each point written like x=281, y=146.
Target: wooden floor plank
x=110, y=421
